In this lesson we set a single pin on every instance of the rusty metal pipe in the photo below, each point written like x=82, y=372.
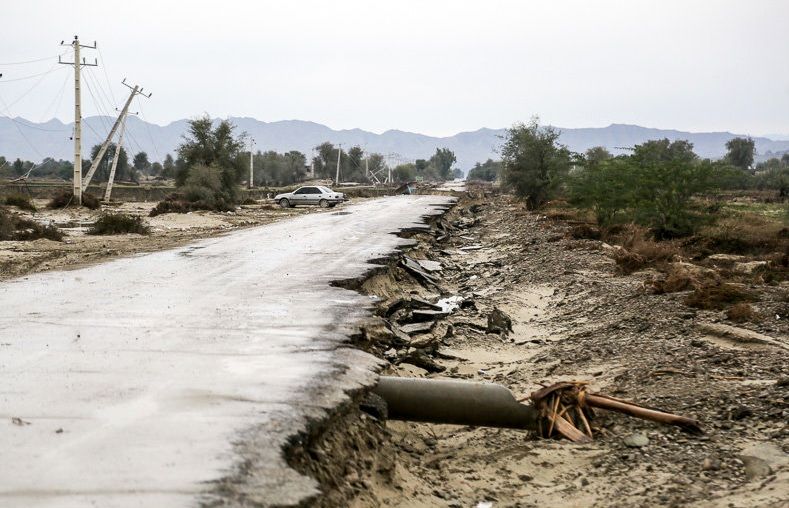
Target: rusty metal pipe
x=454, y=402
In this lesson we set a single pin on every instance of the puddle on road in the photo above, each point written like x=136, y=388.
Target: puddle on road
x=342, y=213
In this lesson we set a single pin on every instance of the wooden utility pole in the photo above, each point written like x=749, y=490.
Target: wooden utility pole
x=339, y=154
x=117, y=156
x=251, y=163
x=135, y=90
x=78, y=113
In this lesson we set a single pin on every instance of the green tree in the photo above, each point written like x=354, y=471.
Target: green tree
x=607, y=187
x=404, y=173
x=442, y=162
x=215, y=147
x=488, y=171
x=535, y=164
x=740, y=152
x=141, y=162
x=19, y=167
x=168, y=167
x=596, y=155
x=122, y=171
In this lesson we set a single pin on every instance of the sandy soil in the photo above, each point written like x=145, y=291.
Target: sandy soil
x=574, y=318
x=167, y=231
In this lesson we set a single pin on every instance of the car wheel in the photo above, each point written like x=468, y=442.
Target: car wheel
x=323, y=203
x=284, y=203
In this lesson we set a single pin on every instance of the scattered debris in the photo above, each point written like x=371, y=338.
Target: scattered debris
x=499, y=322
x=18, y=421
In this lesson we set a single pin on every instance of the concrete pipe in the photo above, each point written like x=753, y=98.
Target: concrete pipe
x=454, y=402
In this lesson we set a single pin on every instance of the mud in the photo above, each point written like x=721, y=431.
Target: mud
x=574, y=317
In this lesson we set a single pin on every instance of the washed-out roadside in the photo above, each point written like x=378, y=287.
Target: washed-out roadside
x=574, y=316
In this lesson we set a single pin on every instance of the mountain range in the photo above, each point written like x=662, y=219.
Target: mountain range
x=34, y=141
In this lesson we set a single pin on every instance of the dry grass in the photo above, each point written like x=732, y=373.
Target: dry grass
x=16, y=228
x=741, y=312
x=717, y=296
x=66, y=198
x=119, y=223
x=639, y=250
x=21, y=201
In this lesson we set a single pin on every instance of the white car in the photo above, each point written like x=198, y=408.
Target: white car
x=312, y=195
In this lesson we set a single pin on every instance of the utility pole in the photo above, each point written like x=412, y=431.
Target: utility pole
x=117, y=156
x=251, y=163
x=78, y=113
x=339, y=154
x=367, y=167
x=135, y=90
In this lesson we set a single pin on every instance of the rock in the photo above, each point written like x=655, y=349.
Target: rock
x=755, y=467
x=739, y=334
x=741, y=412
x=784, y=381
x=374, y=405
x=499, y=322
x=376, y=330
x=711, y=464
x=725, y=260
x=636, y=440
x=749, y=267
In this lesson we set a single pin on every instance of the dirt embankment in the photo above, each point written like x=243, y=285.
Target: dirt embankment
x=167, y=231
x=574, y=316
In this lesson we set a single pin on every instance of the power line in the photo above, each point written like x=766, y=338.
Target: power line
x=23, y=78
x=106, y=76
x=32, y=61
x=23, y=134
x=58, y=99
x=32, y=87
x=148, y=129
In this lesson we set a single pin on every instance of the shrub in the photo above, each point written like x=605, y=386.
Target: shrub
x=203, y=190
x=66, y=198
x=741, y=312
x=22, y=201
x=15, y=228
x=119, y=223
x=717, y=296
x=653, y=187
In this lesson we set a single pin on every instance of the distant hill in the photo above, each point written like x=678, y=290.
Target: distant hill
x=51, y=139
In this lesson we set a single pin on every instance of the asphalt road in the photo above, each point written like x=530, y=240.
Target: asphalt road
x=175, y=378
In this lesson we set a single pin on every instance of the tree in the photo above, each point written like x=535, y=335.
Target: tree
x=168, y=167
x=216, y=147
x=535, y=164
x=141, y=162
x=653, y=187
x=404, y=173
x=19, y=167
x=596, y=155
x=607, y=187
x=740, y=152
x=487, y=172
x=442, y=162
x=122, y=171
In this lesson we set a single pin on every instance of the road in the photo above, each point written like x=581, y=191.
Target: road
x=175, y=378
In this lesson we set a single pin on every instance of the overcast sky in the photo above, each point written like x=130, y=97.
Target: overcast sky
x=436, y=67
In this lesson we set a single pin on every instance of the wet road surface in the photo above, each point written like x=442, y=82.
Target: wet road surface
x=174, y=378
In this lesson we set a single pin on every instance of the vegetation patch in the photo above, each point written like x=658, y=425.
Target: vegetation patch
x=21, y=201
x=741, y=312
x=718, y=296
x=119, y=223
x=13, y=227
x=66, y=198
